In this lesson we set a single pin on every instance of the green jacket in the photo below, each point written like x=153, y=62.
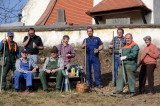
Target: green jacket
x=12, y=54
x=131, y=51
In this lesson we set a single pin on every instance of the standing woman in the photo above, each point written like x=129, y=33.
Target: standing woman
x=148, y=60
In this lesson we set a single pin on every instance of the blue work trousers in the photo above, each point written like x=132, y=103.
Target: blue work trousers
x=93, y=61
x=18, y=76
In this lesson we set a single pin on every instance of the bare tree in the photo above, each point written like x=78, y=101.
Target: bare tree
x=10, y=10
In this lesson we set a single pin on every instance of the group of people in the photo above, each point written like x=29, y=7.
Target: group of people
x=125, y=59
x=24, y=62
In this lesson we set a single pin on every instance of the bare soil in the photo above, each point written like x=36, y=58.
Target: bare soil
x=84, y=99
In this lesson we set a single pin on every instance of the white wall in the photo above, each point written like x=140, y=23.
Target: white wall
x=95, y=2
x=33, y=11
x=51, y=38
x=156, y=11
x=150, y=16
x=135, y=17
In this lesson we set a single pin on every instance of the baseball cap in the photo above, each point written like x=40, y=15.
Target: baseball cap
x=24, y=51
x=10, y=34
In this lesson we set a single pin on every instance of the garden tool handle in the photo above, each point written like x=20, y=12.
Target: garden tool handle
x=4, y=44
x=85, y=61
x=124, y=75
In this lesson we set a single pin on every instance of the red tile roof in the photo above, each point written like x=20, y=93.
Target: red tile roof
x=74, y=10
x=109, y=5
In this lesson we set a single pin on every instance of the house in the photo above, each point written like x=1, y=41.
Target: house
x=82, y=12
x=126, y=12
x=44, y=12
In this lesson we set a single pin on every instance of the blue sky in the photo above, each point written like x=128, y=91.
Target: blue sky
x=9, y=10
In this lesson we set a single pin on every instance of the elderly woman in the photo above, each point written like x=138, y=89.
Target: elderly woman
x=148, y=60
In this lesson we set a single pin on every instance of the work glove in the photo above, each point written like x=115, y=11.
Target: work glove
x=123, y=57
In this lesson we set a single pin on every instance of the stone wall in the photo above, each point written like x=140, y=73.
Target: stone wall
x=52, y=35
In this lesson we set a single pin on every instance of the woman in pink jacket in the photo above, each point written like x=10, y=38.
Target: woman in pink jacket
x=148, y=60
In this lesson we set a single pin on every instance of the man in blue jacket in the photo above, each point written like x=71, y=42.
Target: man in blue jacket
x=93, y=45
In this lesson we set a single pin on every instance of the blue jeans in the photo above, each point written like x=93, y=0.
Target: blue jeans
x=117, y=64
x=34, y=57
x=18, y=76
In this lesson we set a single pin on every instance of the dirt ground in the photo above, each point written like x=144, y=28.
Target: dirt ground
x=84, y=99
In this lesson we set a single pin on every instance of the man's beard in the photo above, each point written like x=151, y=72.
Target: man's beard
x=90, y=35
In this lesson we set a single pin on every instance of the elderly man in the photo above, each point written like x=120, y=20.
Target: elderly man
x=53, y=66
x=93, y=45
x=129, y=58
x=117, y=43
x=11, y=54
x=25, y=67
x=148, y=60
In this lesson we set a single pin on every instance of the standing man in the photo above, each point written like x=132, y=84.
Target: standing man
x=148, y=60
x=127, y=73
x=11, y=53
x=117, y=43
x=25, y=67
x=66, y=50
x=93, y=46
x=33, y=44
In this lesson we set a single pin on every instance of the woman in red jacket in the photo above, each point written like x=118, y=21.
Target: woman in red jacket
x=148, y=60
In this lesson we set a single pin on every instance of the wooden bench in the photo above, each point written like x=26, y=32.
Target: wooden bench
x=37, y=82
